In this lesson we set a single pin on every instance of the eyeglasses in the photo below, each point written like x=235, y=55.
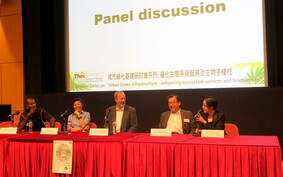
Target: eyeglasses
x=172, y=102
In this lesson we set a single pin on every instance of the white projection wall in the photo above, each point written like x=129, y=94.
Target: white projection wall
x=165, y=44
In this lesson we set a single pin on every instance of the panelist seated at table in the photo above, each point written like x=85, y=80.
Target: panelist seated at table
x=79, y=119
x=209, y=117
x=37, y=115
x=178, y=120
x=124, y=115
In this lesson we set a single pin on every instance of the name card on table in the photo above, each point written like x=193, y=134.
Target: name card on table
x=49, y=131
x=212, y=133
x=8, y=130
x=160, y=132
x=99, y=131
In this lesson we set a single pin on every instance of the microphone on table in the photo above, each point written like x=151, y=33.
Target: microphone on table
x=199, y=111
x=16, y=113
x=64, y=114
x=197, y=122
x=106, y=119
x=64, y=121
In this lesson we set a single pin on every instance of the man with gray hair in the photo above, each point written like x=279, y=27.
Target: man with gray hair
x=121, y=116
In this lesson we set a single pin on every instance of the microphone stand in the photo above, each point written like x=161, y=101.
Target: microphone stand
x=106, y=119
x=106, y=122
x=198, y=124
x=12, y=120
x=64, y=127
x=197, y=127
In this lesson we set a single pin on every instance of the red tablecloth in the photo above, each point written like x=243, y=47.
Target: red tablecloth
x=30, y=154
x=3, y=146
x=140, y=155
x=189, y=156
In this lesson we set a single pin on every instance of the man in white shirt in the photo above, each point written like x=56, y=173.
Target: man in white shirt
x=123, y=115
x=178, y=120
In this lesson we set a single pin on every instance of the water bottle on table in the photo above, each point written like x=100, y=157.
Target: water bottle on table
x=114, y=124
x=69, y=127
x=30, y=126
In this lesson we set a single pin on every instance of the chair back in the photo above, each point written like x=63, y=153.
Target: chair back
x=8, y=124
x=231, y=129
x=92, y=125
x=57, y=125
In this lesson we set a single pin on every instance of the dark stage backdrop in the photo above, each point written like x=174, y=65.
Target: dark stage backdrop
x=257, y=111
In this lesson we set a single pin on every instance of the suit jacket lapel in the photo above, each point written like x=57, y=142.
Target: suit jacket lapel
x=183, y=117
x=124, y=117
x=113, y=113
x=167, y=115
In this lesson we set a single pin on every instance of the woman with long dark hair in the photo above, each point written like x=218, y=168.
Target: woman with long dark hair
x=210, y=117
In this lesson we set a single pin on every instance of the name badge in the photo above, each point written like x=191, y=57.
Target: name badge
x=99, y=131
x=160, y=132
x=212, y=133
x=187, y=120
x=49, y=131
x=8, y=130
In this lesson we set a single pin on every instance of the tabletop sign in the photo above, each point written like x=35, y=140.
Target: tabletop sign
x=99, y=131
x=49, y=131
x=8, y=130
x=160, y=132
x=212, y=133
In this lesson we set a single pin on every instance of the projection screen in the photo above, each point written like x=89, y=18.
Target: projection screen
x=165, y=44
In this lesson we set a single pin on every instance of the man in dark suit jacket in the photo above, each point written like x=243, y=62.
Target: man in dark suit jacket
x=178, y=120
x=124, y=116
